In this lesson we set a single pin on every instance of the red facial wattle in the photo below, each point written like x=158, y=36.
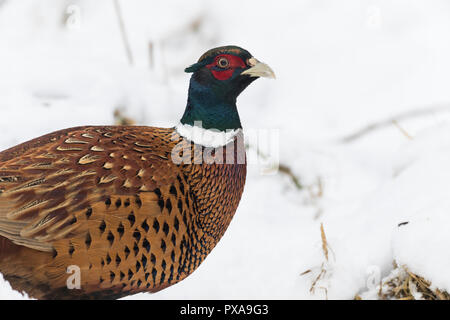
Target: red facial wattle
x=225, y=73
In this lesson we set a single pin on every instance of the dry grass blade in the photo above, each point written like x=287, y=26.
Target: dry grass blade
x=321, y=274
x=305, y=272
x=122, y=120
x=402, y=130
x=323, y=267
x=324, y=241
x=407, y=285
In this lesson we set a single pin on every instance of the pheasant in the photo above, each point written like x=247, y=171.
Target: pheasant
x=119, y=210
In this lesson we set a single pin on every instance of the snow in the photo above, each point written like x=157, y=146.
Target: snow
x=420, y=245
x=340, y=66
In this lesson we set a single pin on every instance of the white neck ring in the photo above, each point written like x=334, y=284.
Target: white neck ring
x=206, y=137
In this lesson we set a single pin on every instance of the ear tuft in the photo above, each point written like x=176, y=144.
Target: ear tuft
x=189, y=69
x=195, y=67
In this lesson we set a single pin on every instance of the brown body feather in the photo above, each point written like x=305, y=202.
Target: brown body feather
x=114, y=202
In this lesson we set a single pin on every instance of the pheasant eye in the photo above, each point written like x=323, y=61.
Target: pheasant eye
x=223, y=63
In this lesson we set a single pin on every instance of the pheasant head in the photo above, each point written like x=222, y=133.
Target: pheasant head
x=218, y=78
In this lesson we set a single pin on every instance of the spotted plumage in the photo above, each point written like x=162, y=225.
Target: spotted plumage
x=133, y=208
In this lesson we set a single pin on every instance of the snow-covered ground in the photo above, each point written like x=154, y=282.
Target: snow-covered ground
x=340, y=65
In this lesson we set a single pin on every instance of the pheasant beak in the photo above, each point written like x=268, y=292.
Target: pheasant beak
x=259, y=69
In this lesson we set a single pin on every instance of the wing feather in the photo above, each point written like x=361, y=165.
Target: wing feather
x=51, y=186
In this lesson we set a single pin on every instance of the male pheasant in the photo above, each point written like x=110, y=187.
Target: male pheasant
x=130, y=208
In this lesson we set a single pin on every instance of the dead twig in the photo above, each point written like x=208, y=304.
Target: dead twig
x=126, y=43
x=388, y=122
x=282, y=168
